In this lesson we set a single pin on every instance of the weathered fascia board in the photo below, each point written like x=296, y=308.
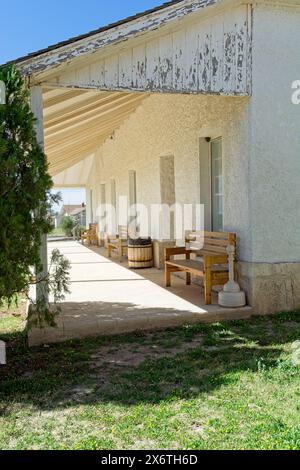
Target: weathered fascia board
x=144, y=24
x=207, y=56
x=210, y=55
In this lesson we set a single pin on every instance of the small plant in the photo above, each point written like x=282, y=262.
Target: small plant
x=56, y=284
x=67, y=224
x=261, y=365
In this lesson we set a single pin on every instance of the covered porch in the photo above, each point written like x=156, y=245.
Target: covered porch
x=106, y=298
x=153, y=110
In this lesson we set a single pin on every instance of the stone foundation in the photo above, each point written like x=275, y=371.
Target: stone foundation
x=270, y=287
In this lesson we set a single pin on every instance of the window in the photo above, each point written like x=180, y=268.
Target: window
x=132, y=188
x=113, y=201
x=217, y=197
x=103, y=208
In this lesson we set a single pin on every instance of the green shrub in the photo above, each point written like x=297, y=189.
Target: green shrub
x=25, y=185
x=25, y=200
x=67, y=224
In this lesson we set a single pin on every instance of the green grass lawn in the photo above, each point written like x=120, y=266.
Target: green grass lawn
x=57, y=232
x=223, y=386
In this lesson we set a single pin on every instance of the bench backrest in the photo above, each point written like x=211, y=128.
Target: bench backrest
x=123, y=232
x=93, y=228
x=214, y=242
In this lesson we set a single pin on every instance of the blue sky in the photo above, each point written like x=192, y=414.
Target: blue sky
x=29, y=25
x=70, y=196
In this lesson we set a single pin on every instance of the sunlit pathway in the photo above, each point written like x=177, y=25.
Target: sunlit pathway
x=107, y=298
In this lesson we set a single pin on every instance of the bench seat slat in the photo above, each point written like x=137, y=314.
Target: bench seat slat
x=117, y=242
x=196, y=266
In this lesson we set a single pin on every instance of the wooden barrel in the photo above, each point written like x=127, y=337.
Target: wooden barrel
x=140, y=256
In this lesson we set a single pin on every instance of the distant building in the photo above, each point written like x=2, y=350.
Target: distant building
x=78, y=212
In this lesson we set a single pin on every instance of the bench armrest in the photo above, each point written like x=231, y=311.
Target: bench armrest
x=176, y=250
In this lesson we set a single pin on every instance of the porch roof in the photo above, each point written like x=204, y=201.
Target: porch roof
x=90, y=83
x=124, y=29
x=77, y=122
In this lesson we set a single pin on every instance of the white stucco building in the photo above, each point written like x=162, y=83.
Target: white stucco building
x=159, y=106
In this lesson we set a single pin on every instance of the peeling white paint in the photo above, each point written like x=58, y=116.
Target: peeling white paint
x=198, y=55
x=209, y=56
x=115, y=35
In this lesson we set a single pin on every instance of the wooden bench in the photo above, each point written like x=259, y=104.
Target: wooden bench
x=90, y=235
x=213, y=265
x=119, y=243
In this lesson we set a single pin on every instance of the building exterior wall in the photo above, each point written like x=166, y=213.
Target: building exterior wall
x=273, y=277
x=261, y=149
x=275, y=124
x=169, y=125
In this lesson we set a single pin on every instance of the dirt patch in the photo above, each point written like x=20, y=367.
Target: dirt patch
x=81, y=392
x=18, y=310
x=129, y=355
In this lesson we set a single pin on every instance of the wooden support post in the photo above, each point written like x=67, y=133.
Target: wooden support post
x=36, y=104
x=89, y=207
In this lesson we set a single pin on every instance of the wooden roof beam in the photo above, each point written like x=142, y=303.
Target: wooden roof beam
x=72, y=109
x=108, y=129
x=85, y=111
x=65, y=132
x=61, y=98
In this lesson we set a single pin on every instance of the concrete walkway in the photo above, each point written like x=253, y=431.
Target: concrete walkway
x=107, y=298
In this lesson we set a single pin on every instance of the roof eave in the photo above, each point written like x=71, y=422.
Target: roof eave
x=62, y=53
